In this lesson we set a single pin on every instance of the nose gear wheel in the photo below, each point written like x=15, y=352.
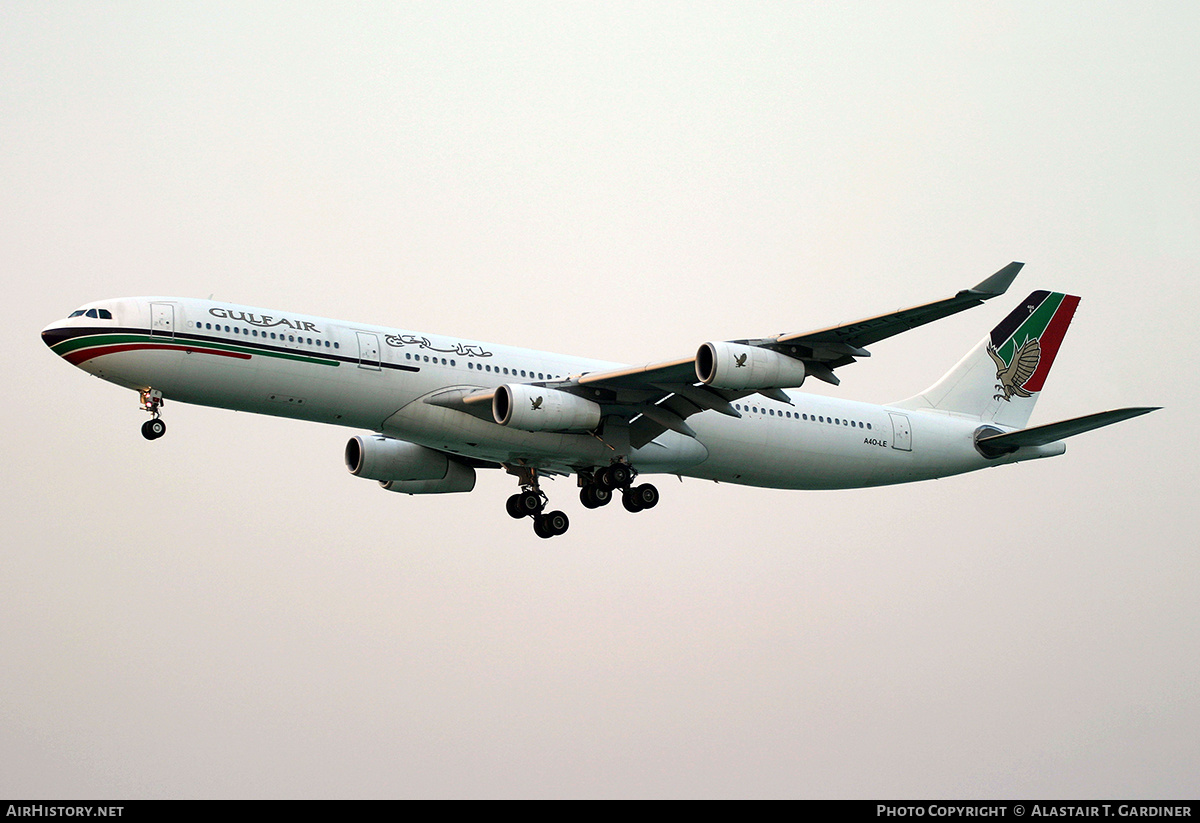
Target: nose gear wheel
x=154, y=429
x=152, y=401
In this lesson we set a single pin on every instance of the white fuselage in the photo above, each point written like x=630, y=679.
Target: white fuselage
x=383, y=379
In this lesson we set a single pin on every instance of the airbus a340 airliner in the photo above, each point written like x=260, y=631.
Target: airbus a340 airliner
x=438, y=408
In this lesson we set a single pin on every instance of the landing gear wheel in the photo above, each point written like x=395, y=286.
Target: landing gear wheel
x=630, y=501
x=529, y=503
x=647, y=496
x=551, y=525
x=513, y=506
x=556, y=522
x=616, y=476
x=593, y=496
x=154, y=429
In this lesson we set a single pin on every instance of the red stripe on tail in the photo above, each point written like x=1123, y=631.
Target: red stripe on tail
x=1051, y=339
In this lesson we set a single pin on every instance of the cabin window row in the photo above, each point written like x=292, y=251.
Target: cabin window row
x=428, y=359
x=514, y=372
x=289, y=338
x=814, y=418
x=488, y=367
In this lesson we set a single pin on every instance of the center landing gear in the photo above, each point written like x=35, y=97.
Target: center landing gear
x=531, y=502
x=152, y=401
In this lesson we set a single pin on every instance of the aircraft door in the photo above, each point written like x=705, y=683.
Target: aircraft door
x=901, y=432
x=162, y=319
x=368, y=350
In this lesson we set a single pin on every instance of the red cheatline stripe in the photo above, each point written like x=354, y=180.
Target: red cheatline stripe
x=1051, y=339
x=77, y=357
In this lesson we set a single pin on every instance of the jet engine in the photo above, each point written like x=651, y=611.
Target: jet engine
x=376, y=457
x=538, y=409
x=735, y=366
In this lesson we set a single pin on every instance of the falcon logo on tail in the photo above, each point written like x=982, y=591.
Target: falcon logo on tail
x=1012, y=377
x=1023, y=346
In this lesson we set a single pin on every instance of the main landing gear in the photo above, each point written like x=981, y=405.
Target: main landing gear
x=531, y=502
x=152, y=401
x=596, y=489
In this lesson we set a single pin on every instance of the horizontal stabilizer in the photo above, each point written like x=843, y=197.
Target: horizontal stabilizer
x=1041, y=435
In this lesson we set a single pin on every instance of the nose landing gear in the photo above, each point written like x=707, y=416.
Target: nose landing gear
x=152, y=401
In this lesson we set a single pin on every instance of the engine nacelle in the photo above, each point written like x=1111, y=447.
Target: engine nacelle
x=459, y=478
x=384, y=458
x=734, y=366
x=538, y=409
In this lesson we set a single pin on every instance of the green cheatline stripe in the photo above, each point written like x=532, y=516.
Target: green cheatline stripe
x=1034, y=326
x=75, y=343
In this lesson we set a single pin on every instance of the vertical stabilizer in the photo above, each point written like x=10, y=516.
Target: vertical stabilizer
x=999, y=380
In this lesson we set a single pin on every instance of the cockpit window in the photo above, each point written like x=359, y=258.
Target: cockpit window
x=76, y=313
x=105, y=314
x=99, y=314
x=92, y=313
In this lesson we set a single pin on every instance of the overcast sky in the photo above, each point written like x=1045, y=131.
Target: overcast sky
x=226, y=612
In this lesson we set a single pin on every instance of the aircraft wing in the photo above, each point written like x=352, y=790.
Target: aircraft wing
x=660, y=396
x=839, y=345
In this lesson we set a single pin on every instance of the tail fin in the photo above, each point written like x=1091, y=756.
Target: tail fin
x=999, y=380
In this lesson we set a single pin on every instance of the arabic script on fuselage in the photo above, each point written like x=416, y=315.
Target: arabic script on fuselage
x=461, y=349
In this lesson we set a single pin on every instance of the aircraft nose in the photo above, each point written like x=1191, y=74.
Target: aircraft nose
x=54, y=334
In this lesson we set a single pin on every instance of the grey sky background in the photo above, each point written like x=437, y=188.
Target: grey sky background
x=228, y=613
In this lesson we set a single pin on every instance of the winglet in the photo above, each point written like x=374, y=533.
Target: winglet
x=999, y=282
